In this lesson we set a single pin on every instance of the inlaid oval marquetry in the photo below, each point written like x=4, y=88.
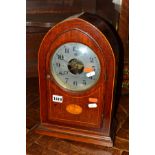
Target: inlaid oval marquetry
x=74, y=109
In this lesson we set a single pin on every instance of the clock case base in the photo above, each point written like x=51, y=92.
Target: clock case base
x=75, y=134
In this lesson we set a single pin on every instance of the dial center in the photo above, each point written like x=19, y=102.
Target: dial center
x=75, y=66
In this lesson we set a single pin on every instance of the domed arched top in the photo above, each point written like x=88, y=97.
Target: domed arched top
x=92, y=25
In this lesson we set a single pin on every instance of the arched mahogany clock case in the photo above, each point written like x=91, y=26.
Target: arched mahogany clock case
x=86, y=124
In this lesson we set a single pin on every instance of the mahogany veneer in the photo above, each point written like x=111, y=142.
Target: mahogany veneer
x=92, y=126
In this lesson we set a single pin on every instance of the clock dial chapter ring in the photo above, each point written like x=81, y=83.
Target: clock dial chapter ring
x=75, y=66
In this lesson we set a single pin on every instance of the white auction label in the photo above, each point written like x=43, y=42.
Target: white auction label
x=90, y=74
x=92, y=105
x=57, y=98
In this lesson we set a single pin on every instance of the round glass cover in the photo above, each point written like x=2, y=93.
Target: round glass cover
x=75, y=66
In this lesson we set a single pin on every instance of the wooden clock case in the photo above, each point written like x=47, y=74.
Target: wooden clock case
x=92, y=125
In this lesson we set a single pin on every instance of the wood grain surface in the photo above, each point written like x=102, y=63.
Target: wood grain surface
x=92, y=125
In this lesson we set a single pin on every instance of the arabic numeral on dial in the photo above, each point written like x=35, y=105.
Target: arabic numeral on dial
x=94, y=68
x=84, y=82
x=75, y=83
x=75, y=51
x=66, y=80
x=91, y=77
x=57, y=64
x=66, y=50
x=63, y=72
x=74, y=48
x=91, y=59
x=60, y=73
x=60, y=56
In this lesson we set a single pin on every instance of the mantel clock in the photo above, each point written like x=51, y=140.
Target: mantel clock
x=77, y=63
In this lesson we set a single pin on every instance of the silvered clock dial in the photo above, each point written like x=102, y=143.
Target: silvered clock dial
x=75, y=66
